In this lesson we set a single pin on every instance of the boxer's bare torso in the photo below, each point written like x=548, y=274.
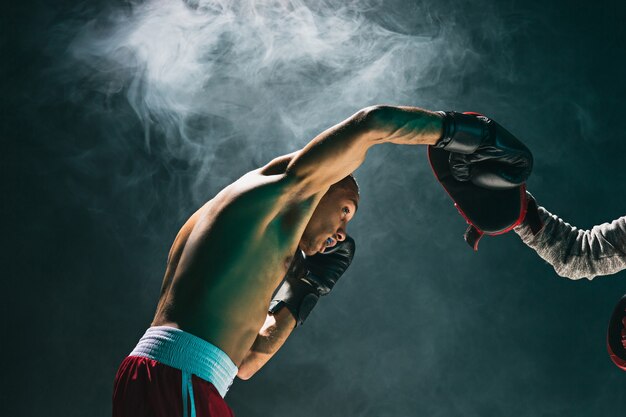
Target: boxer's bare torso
x=230, y=255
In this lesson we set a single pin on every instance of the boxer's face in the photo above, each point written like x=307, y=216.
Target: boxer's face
x=329, y=221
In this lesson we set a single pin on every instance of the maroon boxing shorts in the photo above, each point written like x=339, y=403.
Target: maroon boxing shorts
x=173, y=373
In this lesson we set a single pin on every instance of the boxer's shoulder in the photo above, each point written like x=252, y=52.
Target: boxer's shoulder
x=251, y=210
x=263, y=196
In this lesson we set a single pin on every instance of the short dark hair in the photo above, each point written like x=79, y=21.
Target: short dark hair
x=348, y=183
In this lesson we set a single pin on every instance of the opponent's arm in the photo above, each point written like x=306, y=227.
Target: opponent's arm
x=308, y=278
x=576, y=253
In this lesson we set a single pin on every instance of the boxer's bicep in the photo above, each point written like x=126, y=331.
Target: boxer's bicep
x=270, y=339
x=333, y=154
x=340, y=150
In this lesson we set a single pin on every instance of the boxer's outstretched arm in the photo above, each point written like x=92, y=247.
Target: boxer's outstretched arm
x=270, y=339
x=338, y=151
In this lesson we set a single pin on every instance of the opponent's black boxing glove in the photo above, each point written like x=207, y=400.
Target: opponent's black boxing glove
x=483, y=152
x=616, y=334
x=310, y=277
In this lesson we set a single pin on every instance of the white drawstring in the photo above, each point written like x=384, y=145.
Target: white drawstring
x=187, y=384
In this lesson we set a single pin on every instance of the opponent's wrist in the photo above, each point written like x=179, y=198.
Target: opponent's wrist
x=532, y=218
x=461, y=133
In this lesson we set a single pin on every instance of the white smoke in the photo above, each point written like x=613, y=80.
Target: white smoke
x=180, y=98
x=274, y=72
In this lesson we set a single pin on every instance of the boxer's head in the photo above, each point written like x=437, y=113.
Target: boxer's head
x=327, y=225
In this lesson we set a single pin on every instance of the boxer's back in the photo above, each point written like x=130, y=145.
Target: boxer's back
x=229, y=257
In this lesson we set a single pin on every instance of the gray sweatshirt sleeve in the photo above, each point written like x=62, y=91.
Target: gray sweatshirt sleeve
x=578, y=253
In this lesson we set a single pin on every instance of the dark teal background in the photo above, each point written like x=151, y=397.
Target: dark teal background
x=420, y=325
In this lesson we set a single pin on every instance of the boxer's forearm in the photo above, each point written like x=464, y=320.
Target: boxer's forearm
x=271, y=337
x=404, y=125
x=578, y=253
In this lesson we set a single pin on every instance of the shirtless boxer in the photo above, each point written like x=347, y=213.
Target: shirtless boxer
x=212, y=319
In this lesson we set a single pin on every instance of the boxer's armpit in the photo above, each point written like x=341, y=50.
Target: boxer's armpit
x=278, y=165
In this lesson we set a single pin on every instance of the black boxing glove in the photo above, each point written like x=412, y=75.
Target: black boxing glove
x=310, y=277
x=483, y=152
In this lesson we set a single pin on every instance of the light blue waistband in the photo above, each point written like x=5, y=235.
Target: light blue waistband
x=189, y=353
